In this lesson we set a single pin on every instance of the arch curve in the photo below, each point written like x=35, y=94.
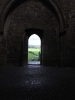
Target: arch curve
x=32, y=31
x=12, y=4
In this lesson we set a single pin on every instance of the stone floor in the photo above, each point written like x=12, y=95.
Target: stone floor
x=35, y=82
x=34, y=62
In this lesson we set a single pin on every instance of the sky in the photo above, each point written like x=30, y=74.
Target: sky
x=34, y=40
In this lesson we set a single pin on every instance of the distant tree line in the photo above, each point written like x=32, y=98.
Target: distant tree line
x=33, y=46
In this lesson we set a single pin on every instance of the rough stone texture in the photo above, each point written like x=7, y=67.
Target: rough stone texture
x=33, y=14
x=2, y=4
x=37, y=83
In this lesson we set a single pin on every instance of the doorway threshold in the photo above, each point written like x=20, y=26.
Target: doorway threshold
x=34, y=63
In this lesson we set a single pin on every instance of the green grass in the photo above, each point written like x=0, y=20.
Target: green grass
x=34, y=50
x=30, y=56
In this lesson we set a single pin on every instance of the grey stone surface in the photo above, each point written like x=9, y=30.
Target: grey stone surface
x=34, y=62
x=35, y=82
x=33, y=14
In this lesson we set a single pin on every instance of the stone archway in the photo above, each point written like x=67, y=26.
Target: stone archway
x=11, y=5
x=24, y=51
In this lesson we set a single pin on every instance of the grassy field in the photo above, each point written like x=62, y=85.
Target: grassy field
x=35, y=51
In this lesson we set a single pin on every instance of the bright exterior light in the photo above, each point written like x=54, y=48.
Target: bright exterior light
x=34, y=50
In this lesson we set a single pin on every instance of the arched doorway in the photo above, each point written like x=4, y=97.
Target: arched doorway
x=34, y=49
x=49, y=3
x=36, y=36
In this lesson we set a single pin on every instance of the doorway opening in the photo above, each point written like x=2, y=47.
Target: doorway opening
x=34, y=49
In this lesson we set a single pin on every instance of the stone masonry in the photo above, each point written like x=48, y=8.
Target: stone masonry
x=58, y=48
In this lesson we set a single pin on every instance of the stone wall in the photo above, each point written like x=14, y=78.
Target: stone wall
x=33, y=14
